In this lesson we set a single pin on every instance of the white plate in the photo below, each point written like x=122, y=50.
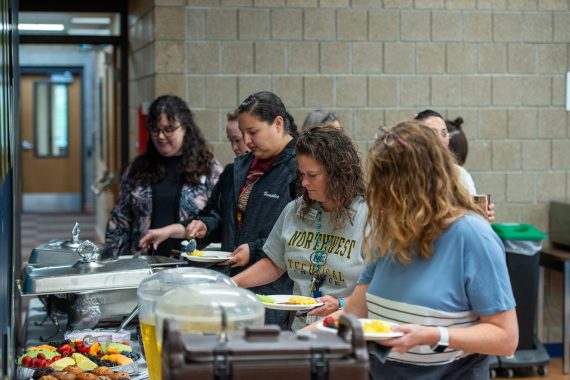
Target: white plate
x=284, y=298
x=208, y=256
x=367, y=336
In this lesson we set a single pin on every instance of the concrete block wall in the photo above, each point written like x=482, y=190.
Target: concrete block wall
x=500, y=64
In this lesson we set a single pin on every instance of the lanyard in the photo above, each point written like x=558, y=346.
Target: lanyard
x=319, y=257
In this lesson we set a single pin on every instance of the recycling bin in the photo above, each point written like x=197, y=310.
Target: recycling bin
x=523, y=243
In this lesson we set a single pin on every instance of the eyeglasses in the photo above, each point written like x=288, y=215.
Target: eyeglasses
x=388, y=137
x=167, y=131
x=444, y=133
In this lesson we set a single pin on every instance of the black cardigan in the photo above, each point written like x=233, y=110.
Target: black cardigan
x=271, y=193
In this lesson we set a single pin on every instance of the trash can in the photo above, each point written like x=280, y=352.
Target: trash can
x=523, y=243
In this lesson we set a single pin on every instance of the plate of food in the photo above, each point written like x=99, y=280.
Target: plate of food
x=206, y=256
x=373, y=329
x=288, y=302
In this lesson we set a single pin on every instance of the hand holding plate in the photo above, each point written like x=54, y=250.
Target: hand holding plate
x=330, y=306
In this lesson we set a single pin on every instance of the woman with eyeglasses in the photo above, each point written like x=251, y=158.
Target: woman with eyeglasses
x=318, y=237
x=437, y=123
x=170, y=182
x=434, y=265
x=261, y=183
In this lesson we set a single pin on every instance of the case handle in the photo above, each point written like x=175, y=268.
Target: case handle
x=262, y=333
x=350, y=324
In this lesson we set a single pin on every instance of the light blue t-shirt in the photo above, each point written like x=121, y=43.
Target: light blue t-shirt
x=468, y=271
x=466, y=277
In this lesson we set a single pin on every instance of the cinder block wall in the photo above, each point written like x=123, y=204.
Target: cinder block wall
x=499, y=64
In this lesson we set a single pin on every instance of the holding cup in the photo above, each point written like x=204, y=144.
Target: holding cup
x=483, y=200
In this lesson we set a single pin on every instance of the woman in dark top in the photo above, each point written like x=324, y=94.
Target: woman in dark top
x=256, y=190
x=169, y=183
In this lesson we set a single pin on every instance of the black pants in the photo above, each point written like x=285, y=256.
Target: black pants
x=472, y=367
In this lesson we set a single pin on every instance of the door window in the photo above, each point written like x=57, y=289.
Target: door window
x=51, y=123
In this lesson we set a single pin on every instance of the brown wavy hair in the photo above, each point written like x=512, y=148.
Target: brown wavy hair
x=197, y=155
x=332, y=148
x=414, y=193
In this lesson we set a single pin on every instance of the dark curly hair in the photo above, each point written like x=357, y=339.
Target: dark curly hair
x=333, y=149
x=197, y=155
x=266, y=106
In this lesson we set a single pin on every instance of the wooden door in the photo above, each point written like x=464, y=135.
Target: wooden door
x=51, y=142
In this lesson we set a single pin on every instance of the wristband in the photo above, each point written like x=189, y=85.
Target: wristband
x=443, y=342
x=341, y=302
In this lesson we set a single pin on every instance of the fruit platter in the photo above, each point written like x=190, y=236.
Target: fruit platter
x=69, y=359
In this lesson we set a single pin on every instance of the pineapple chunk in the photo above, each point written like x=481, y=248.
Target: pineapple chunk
x=86, y=365
x=60, y=364
x=78, y=357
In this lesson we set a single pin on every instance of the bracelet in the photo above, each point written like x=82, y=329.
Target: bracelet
x=341, y=302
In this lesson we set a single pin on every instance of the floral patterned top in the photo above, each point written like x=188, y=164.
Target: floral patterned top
x=130, y=218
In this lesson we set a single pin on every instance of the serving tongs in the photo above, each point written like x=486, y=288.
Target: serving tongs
x=129, y=318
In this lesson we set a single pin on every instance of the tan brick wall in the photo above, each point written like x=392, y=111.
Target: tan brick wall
x=500, y=64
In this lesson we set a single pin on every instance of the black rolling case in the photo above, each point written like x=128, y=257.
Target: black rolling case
x=267, y=353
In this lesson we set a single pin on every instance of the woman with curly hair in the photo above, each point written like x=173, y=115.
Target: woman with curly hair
x=169, y=183
x=318, y=236
x=434, y=265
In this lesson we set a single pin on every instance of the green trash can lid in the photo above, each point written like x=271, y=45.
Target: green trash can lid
x=515, y=231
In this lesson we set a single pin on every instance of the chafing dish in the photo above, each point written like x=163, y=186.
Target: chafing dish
x=62, y=251
x=71, y=278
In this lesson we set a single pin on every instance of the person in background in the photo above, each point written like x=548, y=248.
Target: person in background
x=170, y=182
x=234, y=135
x=320, y=117
x=317, y=239
x=457, y=140
x=434, y=265
x=436, y=122
x=260, y=188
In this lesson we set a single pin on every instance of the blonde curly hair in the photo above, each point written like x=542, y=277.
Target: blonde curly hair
x=414, y=192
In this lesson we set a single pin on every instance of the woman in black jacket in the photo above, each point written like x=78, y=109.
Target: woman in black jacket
x=252, y=194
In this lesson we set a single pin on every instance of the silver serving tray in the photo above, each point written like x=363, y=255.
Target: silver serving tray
x=123, y=273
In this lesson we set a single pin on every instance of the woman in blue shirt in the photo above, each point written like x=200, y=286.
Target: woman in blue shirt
x=436, y=267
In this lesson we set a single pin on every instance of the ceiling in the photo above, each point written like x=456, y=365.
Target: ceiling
x=74, y=23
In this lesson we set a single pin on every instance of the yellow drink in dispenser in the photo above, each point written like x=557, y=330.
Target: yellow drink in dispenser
x=152, y=289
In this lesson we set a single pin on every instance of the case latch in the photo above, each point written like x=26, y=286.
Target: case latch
x=319, y=363
x=222, y=367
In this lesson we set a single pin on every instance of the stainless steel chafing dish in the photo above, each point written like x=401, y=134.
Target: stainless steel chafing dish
x=72, y=278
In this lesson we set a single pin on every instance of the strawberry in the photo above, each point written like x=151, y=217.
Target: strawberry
x=26, y=361
x=329, y=322
x=65, y=348
x=41, y=356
